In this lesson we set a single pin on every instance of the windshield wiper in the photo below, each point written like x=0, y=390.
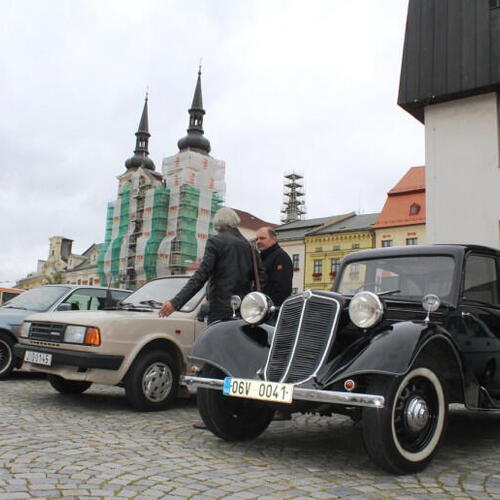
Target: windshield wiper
x=16, y=307
x=388, y=292
x=152, y=303
x=130, y=306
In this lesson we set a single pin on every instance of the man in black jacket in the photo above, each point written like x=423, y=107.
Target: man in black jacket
x=277, y=266
x=226, y=265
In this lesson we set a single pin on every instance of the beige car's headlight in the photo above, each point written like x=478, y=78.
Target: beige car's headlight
x=255, y=308
x=82, y=335
x=75, y=334
x=366, y=309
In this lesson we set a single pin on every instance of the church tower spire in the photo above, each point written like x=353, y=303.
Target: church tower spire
x=195, y=139
x=142, y=135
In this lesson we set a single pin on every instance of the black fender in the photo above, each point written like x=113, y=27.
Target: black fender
x=235, y=347
x=393, y=350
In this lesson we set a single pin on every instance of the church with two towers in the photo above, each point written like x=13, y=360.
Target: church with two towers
x=160, y=221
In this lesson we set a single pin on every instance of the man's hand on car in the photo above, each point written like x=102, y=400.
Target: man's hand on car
x=166, y=309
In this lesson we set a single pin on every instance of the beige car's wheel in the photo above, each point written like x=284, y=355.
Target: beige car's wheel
x=152, y=381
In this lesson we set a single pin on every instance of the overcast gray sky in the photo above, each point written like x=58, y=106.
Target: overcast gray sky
x=304, y=85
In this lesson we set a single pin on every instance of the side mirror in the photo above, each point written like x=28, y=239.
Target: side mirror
x=202, y=313
x=65, y=306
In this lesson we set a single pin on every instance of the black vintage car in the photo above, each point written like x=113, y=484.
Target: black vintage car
x=404, y=332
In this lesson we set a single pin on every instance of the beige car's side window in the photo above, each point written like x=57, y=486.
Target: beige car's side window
x=87, y=300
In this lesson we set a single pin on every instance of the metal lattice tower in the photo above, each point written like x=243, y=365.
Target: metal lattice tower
x=293, y=203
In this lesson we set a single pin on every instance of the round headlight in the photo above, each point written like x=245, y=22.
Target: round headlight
x=366, y=309
x=254, y=308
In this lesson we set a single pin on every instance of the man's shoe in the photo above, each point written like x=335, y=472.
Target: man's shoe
x=199, y=425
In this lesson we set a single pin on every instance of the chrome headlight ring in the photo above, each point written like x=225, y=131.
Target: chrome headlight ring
x=256, y=307
x=366, y=309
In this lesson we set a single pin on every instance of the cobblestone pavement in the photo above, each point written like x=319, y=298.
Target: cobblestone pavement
x=94, y=446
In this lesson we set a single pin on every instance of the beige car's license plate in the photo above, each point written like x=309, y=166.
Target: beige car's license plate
x=39, y=358
x=258, y=389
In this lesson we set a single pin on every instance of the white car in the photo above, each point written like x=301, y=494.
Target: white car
x=130, y=346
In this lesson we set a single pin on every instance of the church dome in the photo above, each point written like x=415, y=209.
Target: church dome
x=137, y=161
x=194, y=140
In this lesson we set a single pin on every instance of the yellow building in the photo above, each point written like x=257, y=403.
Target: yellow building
x=326, y=246
x=291, y=237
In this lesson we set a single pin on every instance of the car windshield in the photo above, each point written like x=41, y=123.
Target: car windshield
x=38, y=299
x=409, y=277
x=156, y=292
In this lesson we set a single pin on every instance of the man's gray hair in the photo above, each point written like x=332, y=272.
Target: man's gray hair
x=225, y=218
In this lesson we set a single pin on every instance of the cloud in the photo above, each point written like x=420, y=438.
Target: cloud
x=287, y=85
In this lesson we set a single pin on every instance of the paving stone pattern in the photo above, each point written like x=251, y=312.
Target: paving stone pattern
x=94, y=446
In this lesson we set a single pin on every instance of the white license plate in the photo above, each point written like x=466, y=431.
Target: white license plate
x=39, y=358
x=257, y=389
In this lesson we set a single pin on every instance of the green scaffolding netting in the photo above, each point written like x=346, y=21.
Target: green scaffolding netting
x=158, y=230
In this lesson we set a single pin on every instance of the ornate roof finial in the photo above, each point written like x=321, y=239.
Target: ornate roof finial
x=194, y=139
x=142, y=135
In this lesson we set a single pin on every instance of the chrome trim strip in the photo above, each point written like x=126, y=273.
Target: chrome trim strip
x=301, y=394
x=294, y=348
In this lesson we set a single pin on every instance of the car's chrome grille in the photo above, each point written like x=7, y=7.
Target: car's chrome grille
x=51, y=332
x=304, y=333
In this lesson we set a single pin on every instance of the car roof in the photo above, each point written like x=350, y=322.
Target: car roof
x=73, y=287
x=456, y=250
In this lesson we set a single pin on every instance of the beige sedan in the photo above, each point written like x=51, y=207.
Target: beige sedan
x=129, y=346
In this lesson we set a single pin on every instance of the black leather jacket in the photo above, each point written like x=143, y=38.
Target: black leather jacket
x=227, y=266
x=279, y=273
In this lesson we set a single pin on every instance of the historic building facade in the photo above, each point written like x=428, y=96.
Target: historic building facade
x=160, y=222
x=63, y=266
x=326, y=246
x=402, y=220
x=291, y=238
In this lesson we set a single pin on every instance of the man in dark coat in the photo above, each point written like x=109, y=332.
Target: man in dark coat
x=227, y=266
x=277, y=266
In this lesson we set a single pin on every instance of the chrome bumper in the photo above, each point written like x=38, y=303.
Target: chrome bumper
x=301, y=394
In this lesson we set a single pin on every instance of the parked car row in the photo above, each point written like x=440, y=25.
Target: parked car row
x=48, y=298
x=127, y=345
x=405, y=332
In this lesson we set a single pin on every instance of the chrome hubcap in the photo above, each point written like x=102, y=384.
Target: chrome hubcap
x=417, y=414
x=157, y=381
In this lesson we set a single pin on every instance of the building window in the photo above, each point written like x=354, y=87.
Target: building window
x=334, y=267
x=296, y=261
x=414, y=209
x=355, y=245
x=386, y=243
x=317, y=268
x=412, y=241
x=336, y=247
x=494, y=4
x=91, y=281
x=319, y=249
